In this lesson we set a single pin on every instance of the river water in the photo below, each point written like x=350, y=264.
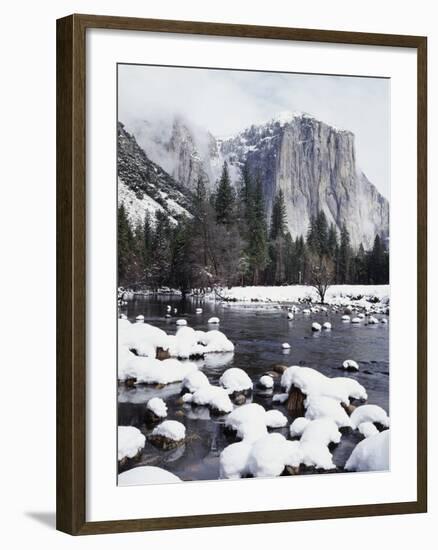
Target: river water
x=257, y=332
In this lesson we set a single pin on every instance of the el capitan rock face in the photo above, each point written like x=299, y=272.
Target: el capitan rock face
x=313, y=163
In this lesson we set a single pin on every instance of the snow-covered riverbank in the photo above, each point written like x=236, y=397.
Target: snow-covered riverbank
x=359, y=295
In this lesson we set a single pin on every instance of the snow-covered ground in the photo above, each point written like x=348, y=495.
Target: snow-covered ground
x=358, y=295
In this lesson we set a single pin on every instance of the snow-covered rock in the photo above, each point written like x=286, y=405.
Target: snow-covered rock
x=235, y=380
x=214, y=321
x=280, y=397
x=351, y=387
x=316, y=327
x=345, y=318
x=285, y=345
x=373, y=320
x=371, y=453
x=144, y=475
x=321, y=431
x=181, y=322
x=141, y=337
x=327, y=326
x=356, y=320
x=214, y=397
x=194, y=381
x=320, y=406
x=233, y=462
x=248, y=421
x=139, y=318
x=266, y=381
x=145, y=370
x=130, y=441
x=312, y=383
x=271, y=453
x=157, y=406
x=317, y=456
x=349, y=364
x=369, y=413
x=367, y=429
x=275, y=419
x=214, y=341
x=298, y=426
x=170, y=429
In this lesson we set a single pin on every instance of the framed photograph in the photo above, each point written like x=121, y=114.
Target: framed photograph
x=241, y=274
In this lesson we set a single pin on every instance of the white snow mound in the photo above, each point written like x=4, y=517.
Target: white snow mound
x=130, y=441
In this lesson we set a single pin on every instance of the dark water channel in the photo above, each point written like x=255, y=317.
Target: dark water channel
x=257, y=332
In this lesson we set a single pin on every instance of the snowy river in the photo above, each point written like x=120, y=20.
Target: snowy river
x=258, y=332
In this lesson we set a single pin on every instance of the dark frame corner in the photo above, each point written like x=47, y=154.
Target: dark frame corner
x=71, y=231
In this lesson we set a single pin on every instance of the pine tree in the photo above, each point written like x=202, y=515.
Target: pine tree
x=161, y=253
x=321, y=234
x=225, y=199
x=344, y=256
x=124, y=246
x=332, y=241
x=257, y=248
x=278, y=217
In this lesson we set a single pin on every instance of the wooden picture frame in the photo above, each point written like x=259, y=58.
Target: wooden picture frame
x=71, y=273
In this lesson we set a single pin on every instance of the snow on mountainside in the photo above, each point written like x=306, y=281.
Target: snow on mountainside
x=144, y=186
x=184, y=150
x=313, y=163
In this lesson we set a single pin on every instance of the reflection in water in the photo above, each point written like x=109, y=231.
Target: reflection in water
x=258, y=332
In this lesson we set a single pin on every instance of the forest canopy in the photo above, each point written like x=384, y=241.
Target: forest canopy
x=228, y=241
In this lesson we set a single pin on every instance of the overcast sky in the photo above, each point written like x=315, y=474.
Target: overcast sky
x=225, y=102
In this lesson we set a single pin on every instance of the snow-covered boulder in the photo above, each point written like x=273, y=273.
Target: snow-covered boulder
x=349, y=364
x=214, y=397
x=345, y=318
x=280, y=397
x=373, y=320
x=356, y=320
x=271, y=454
x=371, y=454
x=315, y=455
x=141, y=337
x=181, y=322
x=130, y=442
x=168, y=434
x=214, y=321
x=311, y=382
x=157, y=407
x=323, y=431
x=351, y=387
x=369, y=413
x=266, y=382
x=233, y=462
x=367, y=429
x=320, y=406
x=194, y=381
x=275, y=419
x=285, y=345
x=248, y=421
x=235, y=380
x=145, y=370
x=316, y=327
x=214, y=341
x=298, y=426
x=145, y=475
x=140, y=318
x=327, y=326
